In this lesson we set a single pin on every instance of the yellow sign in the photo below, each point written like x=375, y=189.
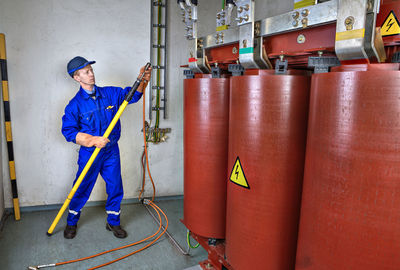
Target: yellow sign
x=222, y=27
x=237, y=175
x=303, y=3
x=352, y=34
x=390, y=26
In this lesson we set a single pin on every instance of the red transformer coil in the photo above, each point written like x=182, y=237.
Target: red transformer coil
x=267, y=137
x=206, y=121
x=350, y=213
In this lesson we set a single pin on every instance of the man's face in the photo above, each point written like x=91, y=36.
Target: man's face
x=85, y=76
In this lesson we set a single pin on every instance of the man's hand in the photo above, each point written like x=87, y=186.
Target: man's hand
x=88, y=140
x=146, y=78
x=99, y=141
x=147, y=74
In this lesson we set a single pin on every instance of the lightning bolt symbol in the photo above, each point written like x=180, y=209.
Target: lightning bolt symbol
x=389, y=24
x=237, y=171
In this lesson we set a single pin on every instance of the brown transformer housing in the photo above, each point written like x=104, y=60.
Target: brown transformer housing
x=206, y=119
x=351, y=194
x=267, y=133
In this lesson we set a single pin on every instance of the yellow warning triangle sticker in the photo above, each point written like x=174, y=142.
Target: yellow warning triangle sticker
x=390, y=26
x=237, y=175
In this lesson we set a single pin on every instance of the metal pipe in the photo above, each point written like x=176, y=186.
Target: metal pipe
x=167, y=233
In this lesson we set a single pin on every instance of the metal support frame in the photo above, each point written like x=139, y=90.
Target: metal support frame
x=197, y=61
x=216, y=72
x=322, y=64
x=355, y=29
x=249, y=33
x=281, y=67
x=321, y=14
x=189, y=18
x=188, y=73
x=158, y=58
x=236, y=69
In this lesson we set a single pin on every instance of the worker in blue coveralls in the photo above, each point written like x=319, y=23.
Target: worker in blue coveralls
x=86, y=118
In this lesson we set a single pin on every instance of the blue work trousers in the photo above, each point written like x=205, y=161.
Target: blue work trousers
x=108, y=164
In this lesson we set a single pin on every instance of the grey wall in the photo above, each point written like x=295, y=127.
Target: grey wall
x=207, y=10
x=42, y=36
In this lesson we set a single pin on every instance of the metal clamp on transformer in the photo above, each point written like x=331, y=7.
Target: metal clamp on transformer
x=197, y=60
x=355, y=30
x=250, y=41
x=189, y=17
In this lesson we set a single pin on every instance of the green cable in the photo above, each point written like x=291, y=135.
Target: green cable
x=223, y=4
x=188, y=240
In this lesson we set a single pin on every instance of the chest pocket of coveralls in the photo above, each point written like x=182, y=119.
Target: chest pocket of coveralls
x=110, y=112
x=87, y=122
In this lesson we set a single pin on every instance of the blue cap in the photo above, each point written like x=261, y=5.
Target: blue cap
x=77, y=63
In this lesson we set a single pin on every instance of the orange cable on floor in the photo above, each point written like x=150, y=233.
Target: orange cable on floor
x=136, y=251
x=115, y=249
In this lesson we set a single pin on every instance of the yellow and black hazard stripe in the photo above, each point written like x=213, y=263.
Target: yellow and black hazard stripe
x=7, y=122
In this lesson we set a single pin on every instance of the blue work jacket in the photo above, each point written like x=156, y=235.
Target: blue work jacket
x=93, y=116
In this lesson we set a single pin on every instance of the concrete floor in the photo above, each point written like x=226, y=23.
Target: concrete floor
x=25, y=243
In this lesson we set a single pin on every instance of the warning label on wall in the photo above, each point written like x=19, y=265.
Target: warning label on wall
x=390, y=26
x=237, y=175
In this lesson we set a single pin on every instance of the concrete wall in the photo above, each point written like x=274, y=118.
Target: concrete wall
x=42, y=36
x=207, y=10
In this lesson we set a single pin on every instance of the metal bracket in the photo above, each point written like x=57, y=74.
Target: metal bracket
x=236, y=69
x=212, y=241
x=322, y=64
x=215, y=72
x=281, y=67
x=251, y=46
x=188, y=73
x=189, y=18
x=355, y=30
x=248, y=40
x=159, y=25
x=156, y=3
x=396, y=57
x=245, y=11
x=159, y=46
x=196, y=50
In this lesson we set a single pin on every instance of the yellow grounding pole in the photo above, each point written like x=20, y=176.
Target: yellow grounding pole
x=7, y=123
x=86, y=169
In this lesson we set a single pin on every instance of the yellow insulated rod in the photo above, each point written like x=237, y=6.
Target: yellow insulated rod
x=86, y=169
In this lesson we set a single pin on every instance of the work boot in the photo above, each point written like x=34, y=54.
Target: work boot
x=117, y=230
x=70, y=231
